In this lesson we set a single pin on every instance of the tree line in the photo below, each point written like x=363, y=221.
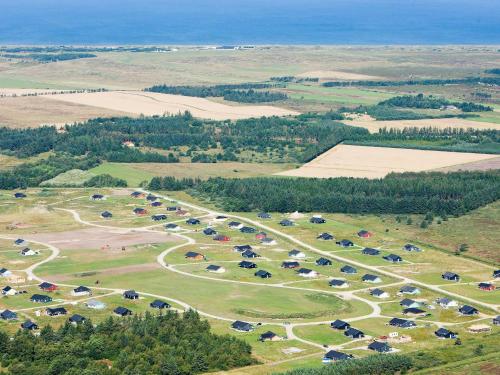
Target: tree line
x=169, y=344
x=50, y=57
x=417, y=82
x=432, y=102
x=447, y=194
x=242, y=92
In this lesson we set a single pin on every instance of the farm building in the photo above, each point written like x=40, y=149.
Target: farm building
x=242, y=326
x=215, y=269
x=159, y=304
x=450, y=276
x=247, y=264
x=323, y=262
x=122, y=311
x=340, y=325
x=263, y=274
x=81, y=291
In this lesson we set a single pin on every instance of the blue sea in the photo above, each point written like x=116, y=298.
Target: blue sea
x=249, y=22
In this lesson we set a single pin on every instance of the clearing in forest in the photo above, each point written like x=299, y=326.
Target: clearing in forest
x=376, y=162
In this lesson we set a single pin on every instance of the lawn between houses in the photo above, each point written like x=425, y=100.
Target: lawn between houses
x=136, y=268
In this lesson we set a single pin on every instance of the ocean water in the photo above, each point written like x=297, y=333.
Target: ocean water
x=249, y=21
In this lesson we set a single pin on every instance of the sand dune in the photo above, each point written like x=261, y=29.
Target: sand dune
x=376, y=162
x=150, y=103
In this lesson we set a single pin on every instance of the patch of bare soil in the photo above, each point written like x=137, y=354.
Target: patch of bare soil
x=100, y=238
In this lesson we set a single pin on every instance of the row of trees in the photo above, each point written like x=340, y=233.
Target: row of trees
x=243, y=92
x=50, y=57
x=417, y=82
x=440, y=193
x=169, y=344
x=432, y=102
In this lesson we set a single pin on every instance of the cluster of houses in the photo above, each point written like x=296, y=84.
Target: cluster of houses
x=353, y=333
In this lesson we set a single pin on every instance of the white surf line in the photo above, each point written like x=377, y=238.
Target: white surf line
x=325, y=253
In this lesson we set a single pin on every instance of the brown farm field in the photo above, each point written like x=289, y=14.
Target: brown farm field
x=376, y=162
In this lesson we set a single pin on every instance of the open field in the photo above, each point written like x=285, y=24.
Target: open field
x=481, y=165
x=30, y=111
x=376, y=162
x=135, y=173
x=151, y=103
x=440, y=123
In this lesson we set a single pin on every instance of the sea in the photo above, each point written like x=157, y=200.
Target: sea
x=236, y=22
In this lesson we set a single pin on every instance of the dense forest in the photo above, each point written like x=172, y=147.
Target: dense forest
x=293, y=139
x=382, y=112
x=417, y=82
x=432, y=102
x=243, y=92
x=381, y=364
x=169, y=344
x=441, y=193
x=448, y=139
x=50, y=57
x=32, y=174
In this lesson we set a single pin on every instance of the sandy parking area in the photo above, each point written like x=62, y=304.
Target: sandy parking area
x=97, y=238
x=441, y=123
x=376, y=162
x=151, y=103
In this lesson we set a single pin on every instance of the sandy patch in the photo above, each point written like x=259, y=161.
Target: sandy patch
x=441, y=123
x=335, y=74
x=99, y=238
x=376, y=162
x=150, y=103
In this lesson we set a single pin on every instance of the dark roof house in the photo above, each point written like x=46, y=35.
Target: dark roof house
x=263, y=274
x=354, y=333
x=317, y=220
x=468, y=310
x=76, y=319
x=370, y=251
x=451, y=276
x=323, y=262
x=345, y=243
x=242, y=326
x=348, y=269
x=130, y=294
x=393, y=258
x=402, y=323
x=8, y=315
x=443, y=333
x=340, y=324
x=333, y=356
x=29, y=325
x=122, y=311
x=56, y=311
x=380, y=347
x=159, y=304
x=247, y=265
x=325, y=237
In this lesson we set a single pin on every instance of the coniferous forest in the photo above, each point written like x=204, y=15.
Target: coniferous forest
x=169, y=344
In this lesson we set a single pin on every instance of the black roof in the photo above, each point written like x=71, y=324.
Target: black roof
x=379, y=346
x=233, y=223
x=81, y=288
x=353, y=332
x=408, y=289
x=247, y=264
x=407, y=302
x=345, y=243
x=106, y=214
x=191, y=254
x=76, y=318
x=450, y=275
x=370, y=251
x=286, y=222
x=369, y=277
x=209, y=231
x=56, y=311
x=212, y=267
x=317, y=220
x=122, y=311
x=242, y=248
x=393, y=258
x=192, y=221
x=242, y=326
x=348, y=269
x=337, y=356
x=264, y=215
x=413, y=310
x=323, y=262
x=263, y=274
x=267, y=335
x=377, y=292
x=339, y=324
x=290, y=264
x=159, y=304
x=40, y=298
x=468, y=310
x=247, y=230
x=45, y=285
x=249, y=254
x=336, y=282
x=131, y=294
x=398, y=322
x=29, y=325
x=8, y=315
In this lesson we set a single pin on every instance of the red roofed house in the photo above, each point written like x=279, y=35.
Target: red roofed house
x=365, y=234
x=486, y=286
x=47, y=287
x=221, y=237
